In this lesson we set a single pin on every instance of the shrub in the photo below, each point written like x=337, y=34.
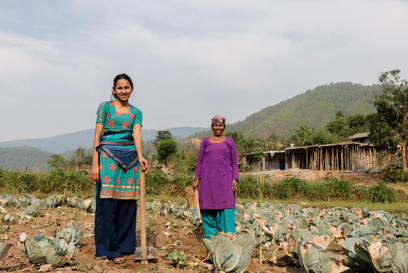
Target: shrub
x=57, y=180
x=155, y=182
x=251, y=186
x=291, y=186
x=340, y=188
x=396, y=176
x=382, y=193
x=318, y=191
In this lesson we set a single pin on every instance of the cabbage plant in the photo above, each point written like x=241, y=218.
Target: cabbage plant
x=231, y=252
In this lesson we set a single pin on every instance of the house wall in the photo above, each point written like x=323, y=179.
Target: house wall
x=273, y=163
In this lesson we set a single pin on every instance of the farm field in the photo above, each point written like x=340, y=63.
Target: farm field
x=185, y=237
x=84, y=260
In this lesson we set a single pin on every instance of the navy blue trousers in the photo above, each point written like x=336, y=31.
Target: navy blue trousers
x=115, y=226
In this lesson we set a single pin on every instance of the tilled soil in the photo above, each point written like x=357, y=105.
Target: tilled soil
x=183, y=238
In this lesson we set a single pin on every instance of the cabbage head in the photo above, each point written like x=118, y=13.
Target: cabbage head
x=44, y=250
x=231, y=252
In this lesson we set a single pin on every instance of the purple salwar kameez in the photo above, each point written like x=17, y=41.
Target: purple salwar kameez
x=217, y=166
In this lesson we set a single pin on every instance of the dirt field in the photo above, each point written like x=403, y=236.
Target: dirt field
x=187, y=236
x=84, y=260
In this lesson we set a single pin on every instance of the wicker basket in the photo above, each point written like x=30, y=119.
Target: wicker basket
x=191, y=197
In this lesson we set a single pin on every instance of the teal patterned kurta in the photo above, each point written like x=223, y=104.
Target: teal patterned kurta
x=115, y=182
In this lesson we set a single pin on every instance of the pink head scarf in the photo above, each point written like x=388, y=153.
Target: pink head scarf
x=218, y=118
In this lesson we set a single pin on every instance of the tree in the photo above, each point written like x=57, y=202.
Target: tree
x=320, y=137
x=339, y=126
x=302, y=135
x=391, y=127
x=166, y=148
x=357, y=124
x=56, y=161
x=79, y=158
x=162, y=135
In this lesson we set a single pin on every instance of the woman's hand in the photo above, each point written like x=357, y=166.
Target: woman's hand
x=144, y=164
x=195, y=183
x=234, y=185
x=95, y=173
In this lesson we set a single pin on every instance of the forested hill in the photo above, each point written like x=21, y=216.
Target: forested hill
x=68, y=142
x=24, y=157
x=314, y=108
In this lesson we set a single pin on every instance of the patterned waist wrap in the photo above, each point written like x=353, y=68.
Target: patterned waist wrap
x=120, y=147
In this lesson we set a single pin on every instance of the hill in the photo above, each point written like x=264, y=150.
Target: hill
x=314, y=108
x=24, y=157
x=68, y=142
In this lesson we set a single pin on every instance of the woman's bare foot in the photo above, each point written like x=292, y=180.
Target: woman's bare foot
x=118, y=260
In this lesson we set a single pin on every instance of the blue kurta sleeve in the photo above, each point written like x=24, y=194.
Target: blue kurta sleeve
x=101, y=113
x=138, y=116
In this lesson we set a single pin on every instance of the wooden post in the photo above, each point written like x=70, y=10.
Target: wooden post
x=307, y=160
x=263, y=163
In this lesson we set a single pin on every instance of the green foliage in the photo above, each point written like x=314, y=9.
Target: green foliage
x=291, y=186
x=158, y=183
x=185, y=161
x=342, y=127
x=341, y=188
x=314, y=107
x=390, y=131
x=339, y=126
x=396, y=176
x=18, y=182
x=250, y=186
x=331, y=189
x=231, y=252
x=80, y=159
x=320, y=138
x=24, y=158
x=382, y=193
x=56, y=161
x=155, y=182
x=302, y=136
x=176, y=257
x=166, y=148
x=57, y=180
x=162, y=135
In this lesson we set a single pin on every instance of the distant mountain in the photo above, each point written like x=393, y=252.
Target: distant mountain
x=66, y=142
x=314, y=108
x=24, y=157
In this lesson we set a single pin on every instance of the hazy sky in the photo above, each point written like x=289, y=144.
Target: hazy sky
x=189, y=60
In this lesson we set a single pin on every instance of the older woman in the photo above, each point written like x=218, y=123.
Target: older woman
x=216, y=178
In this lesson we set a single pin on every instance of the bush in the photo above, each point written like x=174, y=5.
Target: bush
x=251, y=186
x=382, y=193
x=57, y=180
x=396, y=176
x=340, y=188
x=155, y=182
x=291, y=186
x=318, y=191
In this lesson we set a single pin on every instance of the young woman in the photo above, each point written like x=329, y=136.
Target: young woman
x=217, y=176
x=117, y=160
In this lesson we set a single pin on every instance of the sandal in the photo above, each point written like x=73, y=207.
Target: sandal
x=118, y=260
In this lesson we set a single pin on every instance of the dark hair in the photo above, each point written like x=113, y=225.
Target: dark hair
x=119, y=77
